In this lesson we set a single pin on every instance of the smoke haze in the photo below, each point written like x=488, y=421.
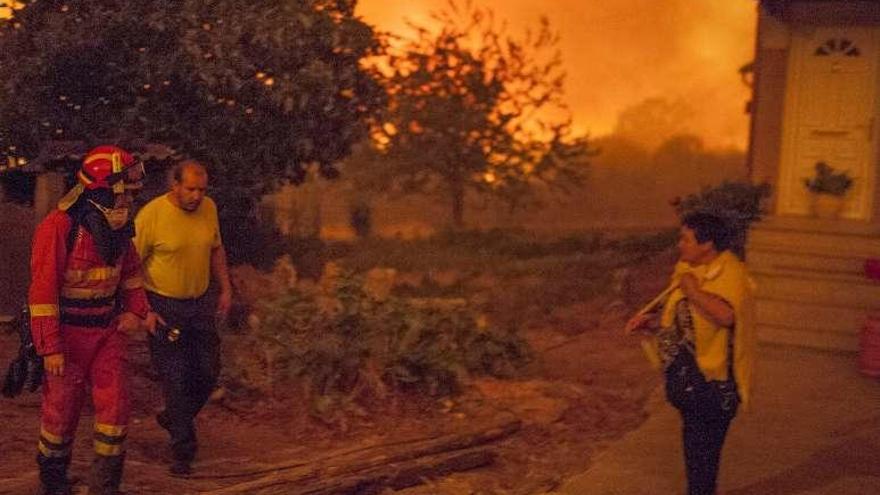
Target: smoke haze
x=620, y=53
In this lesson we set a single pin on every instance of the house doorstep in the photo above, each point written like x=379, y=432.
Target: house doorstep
x=811, y=287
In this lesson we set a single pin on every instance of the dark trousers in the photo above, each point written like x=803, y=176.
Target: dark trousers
x=188, y=367
x=703, y=437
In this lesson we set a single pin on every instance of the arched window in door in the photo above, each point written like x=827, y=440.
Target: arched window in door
x=839, y=47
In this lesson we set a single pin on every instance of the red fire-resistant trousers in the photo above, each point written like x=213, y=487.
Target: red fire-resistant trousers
x=93, y=357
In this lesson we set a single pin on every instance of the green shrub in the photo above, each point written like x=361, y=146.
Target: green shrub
x=347, y=342
x=463, y=250
x=646, y=244
x=249, y=235
x=518, y=243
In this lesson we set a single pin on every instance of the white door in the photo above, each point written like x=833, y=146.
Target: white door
x=830, y=110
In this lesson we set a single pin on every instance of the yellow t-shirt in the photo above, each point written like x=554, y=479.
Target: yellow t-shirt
x=726, y=277
x=175, y=246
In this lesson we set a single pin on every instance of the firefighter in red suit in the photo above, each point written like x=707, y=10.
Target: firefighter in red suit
x=86, y=295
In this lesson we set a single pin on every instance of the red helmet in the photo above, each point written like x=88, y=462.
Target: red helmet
x=105, y=167
x=108, y=167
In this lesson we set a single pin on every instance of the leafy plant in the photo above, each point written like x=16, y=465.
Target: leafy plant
x=739, y=203
x=347, y=340
x=828, y=181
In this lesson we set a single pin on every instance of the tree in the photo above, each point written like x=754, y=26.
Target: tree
x=473, y=108
x=653, y=121
x=259, y=89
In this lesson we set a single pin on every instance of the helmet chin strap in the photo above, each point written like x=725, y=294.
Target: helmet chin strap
x=116, y=217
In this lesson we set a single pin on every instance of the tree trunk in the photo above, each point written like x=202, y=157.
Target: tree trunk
x=457, y=196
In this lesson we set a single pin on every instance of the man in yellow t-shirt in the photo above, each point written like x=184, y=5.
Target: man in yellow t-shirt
x=178, y=239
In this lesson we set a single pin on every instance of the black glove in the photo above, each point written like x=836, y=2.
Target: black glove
x=26, y=371
x=15, y=377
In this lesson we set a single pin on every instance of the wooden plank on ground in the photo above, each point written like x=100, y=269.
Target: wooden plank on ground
x=297, y=475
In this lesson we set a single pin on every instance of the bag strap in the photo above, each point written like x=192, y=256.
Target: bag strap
x=692, y=345
x=730, y=336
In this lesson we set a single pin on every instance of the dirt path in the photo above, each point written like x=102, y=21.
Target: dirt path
x=586, y=386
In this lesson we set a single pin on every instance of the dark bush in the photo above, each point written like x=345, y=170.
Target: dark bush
x=739, y=203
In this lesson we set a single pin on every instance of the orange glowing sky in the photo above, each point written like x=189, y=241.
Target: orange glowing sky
x=620, y=52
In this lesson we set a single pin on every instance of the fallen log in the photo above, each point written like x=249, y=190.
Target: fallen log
x=338, y=466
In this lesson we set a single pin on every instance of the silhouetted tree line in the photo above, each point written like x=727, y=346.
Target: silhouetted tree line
x=262, y=90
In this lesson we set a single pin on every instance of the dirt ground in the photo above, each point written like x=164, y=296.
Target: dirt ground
x=586, y=386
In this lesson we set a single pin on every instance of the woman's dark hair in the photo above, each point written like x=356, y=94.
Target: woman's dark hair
x=709, y=227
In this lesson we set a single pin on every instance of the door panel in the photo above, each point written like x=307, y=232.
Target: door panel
x=829, y=115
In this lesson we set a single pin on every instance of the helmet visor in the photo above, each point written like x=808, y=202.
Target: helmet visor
x=132, y=178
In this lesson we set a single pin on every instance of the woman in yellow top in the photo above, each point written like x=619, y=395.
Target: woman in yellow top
x=705, y=342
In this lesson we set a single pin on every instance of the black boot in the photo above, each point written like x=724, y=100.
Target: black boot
x=106, y=474
x=53, y=475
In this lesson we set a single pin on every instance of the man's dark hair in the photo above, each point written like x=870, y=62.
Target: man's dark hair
x=708, y=227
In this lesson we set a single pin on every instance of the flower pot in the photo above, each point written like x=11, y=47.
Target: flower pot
x=827, y=206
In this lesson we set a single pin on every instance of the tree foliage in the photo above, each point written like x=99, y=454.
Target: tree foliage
x=473, y=108
x=655, y=121
x=259, y=89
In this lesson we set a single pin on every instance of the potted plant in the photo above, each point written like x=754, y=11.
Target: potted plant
x=828, y=188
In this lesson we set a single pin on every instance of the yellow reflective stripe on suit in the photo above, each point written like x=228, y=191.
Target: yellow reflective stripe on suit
x=103, y=273
x=80, y=293
x=43, y=309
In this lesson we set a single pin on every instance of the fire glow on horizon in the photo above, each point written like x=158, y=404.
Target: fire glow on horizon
x=619, y=53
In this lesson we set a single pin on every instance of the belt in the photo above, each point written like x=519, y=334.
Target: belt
x=88, y=303
x=94, y=321
x=177, y=299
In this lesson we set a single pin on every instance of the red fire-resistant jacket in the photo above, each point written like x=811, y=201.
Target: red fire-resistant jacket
x=77, y=289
